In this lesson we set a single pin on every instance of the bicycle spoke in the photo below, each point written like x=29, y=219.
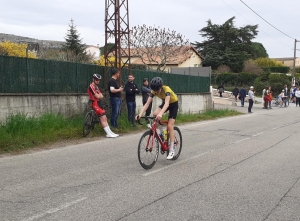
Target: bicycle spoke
x=147, y=150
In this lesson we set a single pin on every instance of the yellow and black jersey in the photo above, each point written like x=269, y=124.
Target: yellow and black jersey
x=165, y=91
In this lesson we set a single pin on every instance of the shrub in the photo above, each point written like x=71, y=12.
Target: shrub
x=251, y=67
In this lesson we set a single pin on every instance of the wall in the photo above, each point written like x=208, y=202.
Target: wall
x=71, y=104
x=194, y=59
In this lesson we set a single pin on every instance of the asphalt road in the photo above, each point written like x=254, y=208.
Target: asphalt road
x=237, y=168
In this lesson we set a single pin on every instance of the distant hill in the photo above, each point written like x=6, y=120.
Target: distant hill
x=21, y=39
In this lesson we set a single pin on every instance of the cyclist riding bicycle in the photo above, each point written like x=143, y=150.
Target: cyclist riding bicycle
x=169, y=103
x=95, y=97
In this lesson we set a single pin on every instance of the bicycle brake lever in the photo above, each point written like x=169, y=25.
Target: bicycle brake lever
x=139, y=121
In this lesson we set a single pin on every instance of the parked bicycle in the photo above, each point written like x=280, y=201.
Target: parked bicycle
x=151, y=141
x=90, y=120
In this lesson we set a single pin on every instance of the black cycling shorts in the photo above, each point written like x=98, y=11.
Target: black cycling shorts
x=173, y=109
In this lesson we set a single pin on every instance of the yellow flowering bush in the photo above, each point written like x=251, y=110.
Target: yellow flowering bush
x=267, y=62
x=15, y=49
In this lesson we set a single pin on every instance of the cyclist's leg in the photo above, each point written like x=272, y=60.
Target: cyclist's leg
x=155, y=113
x=173, y=109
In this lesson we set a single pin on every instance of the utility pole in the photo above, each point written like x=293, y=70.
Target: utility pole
x=117, y=30
x=294, y=66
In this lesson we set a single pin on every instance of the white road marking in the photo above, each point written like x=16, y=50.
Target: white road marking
x=242, y=140
x=54, y=210
x=255, y=135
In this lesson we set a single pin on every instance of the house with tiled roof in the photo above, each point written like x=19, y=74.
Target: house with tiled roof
x=185, y=56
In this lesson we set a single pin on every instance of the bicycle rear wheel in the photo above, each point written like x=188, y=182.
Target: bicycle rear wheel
x=177, y=143
x=87, y=124
x=148, y=150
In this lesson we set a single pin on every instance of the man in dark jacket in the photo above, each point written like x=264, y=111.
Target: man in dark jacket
x=242, y=95
x=131, y=90
x=145, y=93
x=235, y=93
x=221, y=89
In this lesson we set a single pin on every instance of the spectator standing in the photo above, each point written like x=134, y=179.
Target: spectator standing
x=235, y=93
x=270, y=98
x=115, y=97
x=292, y=93
x=221, y=89
x=266, y=98
x=131, y=90
x=145, y=94
x=242, y=95
x=95, y=99
x=297, y=95
x=263, y=97
x=286, y=95
x=250, y=99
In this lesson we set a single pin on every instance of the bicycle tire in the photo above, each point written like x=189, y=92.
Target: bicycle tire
x=147, y=158
x=177, y=143
x=87, y=124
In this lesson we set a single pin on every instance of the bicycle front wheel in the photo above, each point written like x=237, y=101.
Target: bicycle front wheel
x=148, y=150
x=177, y=143
x=87, y=124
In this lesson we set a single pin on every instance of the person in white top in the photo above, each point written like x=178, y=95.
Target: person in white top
x=250, y=99
x=297, y=95
x=262, y=96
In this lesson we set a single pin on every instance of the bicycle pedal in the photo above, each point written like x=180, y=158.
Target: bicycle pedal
x=162, y=152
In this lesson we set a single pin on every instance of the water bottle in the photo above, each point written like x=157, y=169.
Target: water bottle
x=165, y=135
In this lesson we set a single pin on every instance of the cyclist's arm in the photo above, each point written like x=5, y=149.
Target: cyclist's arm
x=145, y=107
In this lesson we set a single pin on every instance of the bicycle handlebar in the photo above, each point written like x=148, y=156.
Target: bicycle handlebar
x=148, y=117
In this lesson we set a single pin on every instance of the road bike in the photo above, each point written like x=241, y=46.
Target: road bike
x=90, y=120
x=151, y=143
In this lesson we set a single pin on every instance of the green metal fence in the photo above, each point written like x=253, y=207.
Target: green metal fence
x=25, y=75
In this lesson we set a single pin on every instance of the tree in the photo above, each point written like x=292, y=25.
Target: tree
x=156, y=46
x=226, y=45
x=15, y=49
x=251, y=67
x=74, y=48
x=109, y=46
x=257, y=50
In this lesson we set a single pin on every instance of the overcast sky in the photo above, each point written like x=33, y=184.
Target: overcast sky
x=48, y=20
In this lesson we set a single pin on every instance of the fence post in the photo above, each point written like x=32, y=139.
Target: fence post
x=27, y=71
x=76, y=84
x=199, y=82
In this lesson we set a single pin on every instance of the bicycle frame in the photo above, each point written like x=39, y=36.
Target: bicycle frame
x=164, y=144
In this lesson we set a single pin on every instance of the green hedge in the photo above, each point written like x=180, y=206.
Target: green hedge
x=277, y=69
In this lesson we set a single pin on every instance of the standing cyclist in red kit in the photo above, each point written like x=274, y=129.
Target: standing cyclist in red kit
x=95, y=96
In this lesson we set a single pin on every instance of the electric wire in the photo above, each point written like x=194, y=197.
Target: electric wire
x=258, y=27
x=267, y=21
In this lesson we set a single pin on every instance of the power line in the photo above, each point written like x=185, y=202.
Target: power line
x=266, y=20
x=259, y=28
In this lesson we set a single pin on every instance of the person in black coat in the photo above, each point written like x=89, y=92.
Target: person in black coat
x=242, y=95
x=235, y=93
x=221, y=89
x=131, y=90
x=145, y=94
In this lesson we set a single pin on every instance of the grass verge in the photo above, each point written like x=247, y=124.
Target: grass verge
x=20, y=133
